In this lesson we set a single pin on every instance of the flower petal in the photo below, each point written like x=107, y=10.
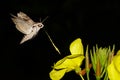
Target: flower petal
x=76, y=47
x=113, y=74
x=57, y=74
x=114, y=68
x=69, y=62
x=116, y=61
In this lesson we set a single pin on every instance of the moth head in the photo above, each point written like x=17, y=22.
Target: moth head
x=38, y=25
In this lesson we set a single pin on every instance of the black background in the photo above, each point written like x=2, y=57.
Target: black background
x=95, y=22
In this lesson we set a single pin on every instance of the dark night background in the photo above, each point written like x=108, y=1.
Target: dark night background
x=95, y=22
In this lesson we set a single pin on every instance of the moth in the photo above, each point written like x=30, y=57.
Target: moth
x=26, y=25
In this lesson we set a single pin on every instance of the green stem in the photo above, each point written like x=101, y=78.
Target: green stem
x=88, y=78
x=97, y=78
x=87, y=66
x=81, y=77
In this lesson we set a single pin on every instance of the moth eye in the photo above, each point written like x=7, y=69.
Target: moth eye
x=39, y=25
x=33, y=26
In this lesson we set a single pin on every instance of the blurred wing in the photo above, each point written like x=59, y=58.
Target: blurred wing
x=22, y=25
x=26, y=38
x=31, y=35
x=26, y=18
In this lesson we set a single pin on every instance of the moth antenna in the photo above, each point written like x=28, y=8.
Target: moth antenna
x=12, y=15
x=44, y=19
x=40, y=19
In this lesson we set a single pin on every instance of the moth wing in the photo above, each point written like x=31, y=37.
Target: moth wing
x=22, y=25
x=26, y=38
x=25, y=17
x=31, y=35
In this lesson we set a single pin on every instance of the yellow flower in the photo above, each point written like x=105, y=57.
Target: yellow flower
x=114, y=68
x=70, y=62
